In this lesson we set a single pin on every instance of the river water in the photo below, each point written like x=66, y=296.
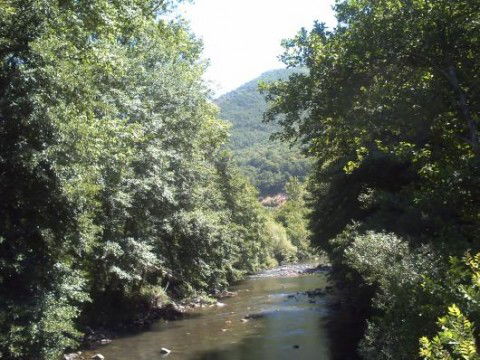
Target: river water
x=289, y=324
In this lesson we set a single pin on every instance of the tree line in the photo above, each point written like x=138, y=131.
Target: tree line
x=389, y=110
x=116, y=186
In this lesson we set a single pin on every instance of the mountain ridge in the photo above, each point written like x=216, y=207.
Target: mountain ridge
x=268, y=164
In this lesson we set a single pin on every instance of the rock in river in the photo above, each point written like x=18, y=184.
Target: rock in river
x=73, y=356
x=98, y=357
x=165, y=351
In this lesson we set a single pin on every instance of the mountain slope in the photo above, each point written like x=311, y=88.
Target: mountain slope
x=268, y=164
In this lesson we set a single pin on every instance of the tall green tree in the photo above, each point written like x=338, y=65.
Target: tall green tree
x=389, y=109
x=114, y=183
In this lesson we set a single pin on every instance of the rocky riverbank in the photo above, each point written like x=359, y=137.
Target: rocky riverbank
x=95, y=339
x=292, y=270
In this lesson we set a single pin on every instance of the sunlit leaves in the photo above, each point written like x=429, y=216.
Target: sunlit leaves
x=109, y=154
x=455, y=340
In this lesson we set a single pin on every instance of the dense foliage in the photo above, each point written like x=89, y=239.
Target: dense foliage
x=293, y=215
x=115, y=185
x=268, y=164
x=389, y=110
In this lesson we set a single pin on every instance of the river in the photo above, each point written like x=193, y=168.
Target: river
x=288, y=323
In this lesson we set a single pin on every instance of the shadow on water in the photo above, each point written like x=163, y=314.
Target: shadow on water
x=273, y=343
x=345, y=329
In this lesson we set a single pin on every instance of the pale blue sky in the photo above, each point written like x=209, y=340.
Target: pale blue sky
x=242, y=37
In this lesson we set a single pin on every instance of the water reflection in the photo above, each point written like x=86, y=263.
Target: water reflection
x=289, y=326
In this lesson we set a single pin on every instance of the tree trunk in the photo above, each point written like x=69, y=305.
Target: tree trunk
x=473, y=138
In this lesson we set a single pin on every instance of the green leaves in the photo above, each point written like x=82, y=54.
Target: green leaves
x=111, y=178
x=389, y=110
x=454, y=341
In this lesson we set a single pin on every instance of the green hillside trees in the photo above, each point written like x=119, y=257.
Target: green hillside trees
x=268, y=164
x=114, y=183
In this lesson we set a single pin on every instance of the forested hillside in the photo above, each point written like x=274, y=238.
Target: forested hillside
x=389, y=111
x=117, y=193
x=268, y=164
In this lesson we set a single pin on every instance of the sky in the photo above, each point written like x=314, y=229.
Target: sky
x=242, y=37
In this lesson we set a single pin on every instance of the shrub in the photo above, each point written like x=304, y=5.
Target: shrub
x=387, y=263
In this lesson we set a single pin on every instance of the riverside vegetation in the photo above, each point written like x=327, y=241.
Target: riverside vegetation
x=389, y=110
x=116, y=189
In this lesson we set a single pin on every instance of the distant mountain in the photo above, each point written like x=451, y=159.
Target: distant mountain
x=268, y=164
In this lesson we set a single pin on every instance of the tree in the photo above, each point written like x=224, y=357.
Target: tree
x=293, y=215
x=114, y=183
x=389, y=111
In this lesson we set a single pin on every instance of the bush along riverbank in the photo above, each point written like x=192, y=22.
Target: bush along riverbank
x=389, y=111
x=118, y=195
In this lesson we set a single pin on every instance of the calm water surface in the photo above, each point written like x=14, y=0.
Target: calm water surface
x=219, y=334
